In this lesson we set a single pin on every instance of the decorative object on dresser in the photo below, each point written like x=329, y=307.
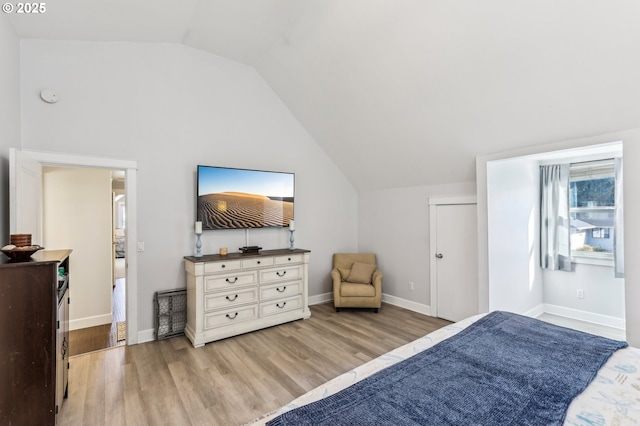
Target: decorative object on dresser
x=35, y=344
x=250, y=249
x=20, y=247
x=238, y=293
x=198, y=242
x=291, y=231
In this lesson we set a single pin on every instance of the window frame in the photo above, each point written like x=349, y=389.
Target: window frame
x=592, y=170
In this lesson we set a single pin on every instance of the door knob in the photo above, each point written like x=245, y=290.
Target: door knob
x=439, y=256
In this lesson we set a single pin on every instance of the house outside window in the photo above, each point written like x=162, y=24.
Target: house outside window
x=600, y=233
x=592, y=211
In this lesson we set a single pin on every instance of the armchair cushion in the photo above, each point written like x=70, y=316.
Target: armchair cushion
x=361, y=273
x=344, y=273
x=357, y=290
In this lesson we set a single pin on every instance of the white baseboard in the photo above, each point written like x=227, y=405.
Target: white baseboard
x=321, y=298
x=79, y=323
x=145, y=336
x=599, y=319
x=407, y=304
x=535, y=312
x=392, y=300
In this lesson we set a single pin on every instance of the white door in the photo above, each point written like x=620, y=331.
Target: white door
x=25, y=196
x=454, y=263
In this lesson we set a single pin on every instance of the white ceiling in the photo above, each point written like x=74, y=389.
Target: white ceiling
x=403, y=92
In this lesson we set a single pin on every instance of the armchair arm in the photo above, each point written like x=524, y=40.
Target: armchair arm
x=335, y=277
x=376, y=280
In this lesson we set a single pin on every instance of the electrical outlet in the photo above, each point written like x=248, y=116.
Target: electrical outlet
x=411, y=285
x=580, y=294
x=140, y=245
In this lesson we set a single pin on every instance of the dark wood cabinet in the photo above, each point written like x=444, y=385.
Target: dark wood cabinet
x=34, y=337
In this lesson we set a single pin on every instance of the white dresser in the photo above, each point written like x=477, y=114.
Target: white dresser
x=237, y=293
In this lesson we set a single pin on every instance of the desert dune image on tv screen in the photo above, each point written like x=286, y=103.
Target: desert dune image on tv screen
x=237, y=198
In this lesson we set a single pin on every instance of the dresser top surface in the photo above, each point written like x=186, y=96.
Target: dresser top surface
x=231, y=256
x=39, y=257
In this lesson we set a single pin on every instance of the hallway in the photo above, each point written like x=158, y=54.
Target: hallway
x=103, y=336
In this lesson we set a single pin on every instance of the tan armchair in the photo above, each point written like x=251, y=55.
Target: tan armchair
x=357, y=283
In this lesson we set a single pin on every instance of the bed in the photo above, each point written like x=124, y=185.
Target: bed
x=120, y=243
x=611, y=396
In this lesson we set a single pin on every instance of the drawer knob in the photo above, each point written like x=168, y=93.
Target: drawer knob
x=223, y=265
x=258, y=262
x=289, y=259
x=281, y=290
x=230, y=299
x=283, y=273
x=231, y=282
x=279, y=306
x=232, y=317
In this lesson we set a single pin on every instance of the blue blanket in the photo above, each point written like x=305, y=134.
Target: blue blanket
x=504, y=369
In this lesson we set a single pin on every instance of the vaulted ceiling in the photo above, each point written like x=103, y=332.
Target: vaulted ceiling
x=403, y=92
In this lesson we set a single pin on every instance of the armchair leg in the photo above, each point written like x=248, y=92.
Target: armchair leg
x=337, y=309
x=375, y=310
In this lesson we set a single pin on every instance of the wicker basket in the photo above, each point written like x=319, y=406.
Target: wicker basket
x=21, y=240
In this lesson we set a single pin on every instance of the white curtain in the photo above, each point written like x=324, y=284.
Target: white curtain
x=555, y=224
x=618, y=234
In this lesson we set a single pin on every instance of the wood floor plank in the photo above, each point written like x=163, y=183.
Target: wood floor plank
x=235, y=380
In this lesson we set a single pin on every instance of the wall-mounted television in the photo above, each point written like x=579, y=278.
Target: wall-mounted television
x=230, y=198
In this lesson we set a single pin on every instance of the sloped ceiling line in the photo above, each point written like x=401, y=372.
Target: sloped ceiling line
x=402, y=93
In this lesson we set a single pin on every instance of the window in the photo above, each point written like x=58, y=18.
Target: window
x=600, y=233
x=592, y=209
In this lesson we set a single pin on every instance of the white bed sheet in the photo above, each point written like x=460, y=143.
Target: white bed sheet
x=612, y=398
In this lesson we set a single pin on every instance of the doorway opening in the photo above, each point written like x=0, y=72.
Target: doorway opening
x=27, y=192
x=84, y=210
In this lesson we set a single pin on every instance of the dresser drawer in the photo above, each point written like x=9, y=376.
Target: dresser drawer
x=217, y=282
x=229, y=317
x=285, y=260
x=281, y=290
x=285, y=273
x=230, y=299
x=213, y=267
x=257, y=262
x=279, y=306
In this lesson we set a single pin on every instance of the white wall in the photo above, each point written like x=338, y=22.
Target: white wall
x=394, y=224
x=77, y=215
x=170, y=107
x=513, y=200
x=517, y=282
x=631, y=148
x=9, y=114
x=632, y=236
x=603, y=293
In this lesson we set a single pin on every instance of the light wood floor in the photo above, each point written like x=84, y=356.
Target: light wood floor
x=104, y=336
x=232, y=381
